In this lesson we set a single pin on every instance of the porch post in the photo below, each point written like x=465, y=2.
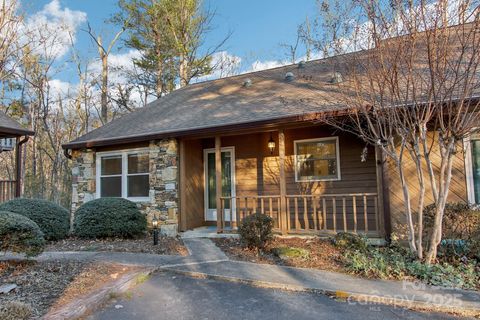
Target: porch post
x=218, y=182
x=379, y=159
x=283, y=184
x=18, y=168
x=182, y=186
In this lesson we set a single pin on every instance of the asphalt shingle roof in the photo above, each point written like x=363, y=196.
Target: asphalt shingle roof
x=226, y=102
x=11, y=128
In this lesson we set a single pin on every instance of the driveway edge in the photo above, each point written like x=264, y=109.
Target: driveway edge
x=83, y=306
x=350, y=297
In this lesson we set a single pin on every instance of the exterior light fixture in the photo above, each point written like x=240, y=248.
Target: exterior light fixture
x=289, y=76
x=155, y=230
x=271, y=144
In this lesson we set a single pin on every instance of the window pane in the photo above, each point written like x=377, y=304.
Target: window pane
x=317, y=169
x=111, y=165
x=111, y=187
x=138, y=186
x=226, y=179
x=138, y=163
x=317, y=149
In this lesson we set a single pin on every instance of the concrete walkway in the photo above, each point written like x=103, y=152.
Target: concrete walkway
x=208, y=261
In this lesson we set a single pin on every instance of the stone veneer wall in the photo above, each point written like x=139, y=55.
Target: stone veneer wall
x=163, y=202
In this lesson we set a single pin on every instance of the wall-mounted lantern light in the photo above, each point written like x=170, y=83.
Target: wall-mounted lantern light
x=155, y=230
x=271, y=144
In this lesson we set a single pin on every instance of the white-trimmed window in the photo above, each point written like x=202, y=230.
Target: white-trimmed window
x=317, y=159
x=472, y=167
x=123, y=175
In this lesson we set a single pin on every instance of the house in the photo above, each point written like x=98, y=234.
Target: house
x=213, y=152
x=12, y=137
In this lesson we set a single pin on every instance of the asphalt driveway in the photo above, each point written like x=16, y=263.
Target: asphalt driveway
x=171, y=296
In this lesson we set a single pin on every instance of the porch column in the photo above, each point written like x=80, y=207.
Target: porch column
x=18, y=168
x=182, y=186
x=218, y=182
x=283, y=184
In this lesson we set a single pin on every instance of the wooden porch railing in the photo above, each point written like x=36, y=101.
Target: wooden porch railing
x=7, y=190
x=328, y=213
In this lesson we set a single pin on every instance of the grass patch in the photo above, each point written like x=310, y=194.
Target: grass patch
x=291, y=253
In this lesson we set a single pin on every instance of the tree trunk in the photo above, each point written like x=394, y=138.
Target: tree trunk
x=444, y=186
x=104, y=96
x=184, y=71
x=408, y=208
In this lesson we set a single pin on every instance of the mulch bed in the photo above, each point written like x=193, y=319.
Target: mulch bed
x=322, y=253
x=41, y=285
x=166, y=245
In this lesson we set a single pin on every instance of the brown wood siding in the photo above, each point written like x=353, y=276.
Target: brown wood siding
x=457, y=192
x=193, y=208
x=257, y=171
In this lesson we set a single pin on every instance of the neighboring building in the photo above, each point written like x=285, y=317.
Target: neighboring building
x=309, y=177
x=12, y=137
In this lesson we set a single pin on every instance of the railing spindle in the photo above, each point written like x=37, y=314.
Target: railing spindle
x=354, y=214
x=315, y=215
x=344, y=214
x=334, y=203
x=365, y=213
x=376, y=214
x=305, y=213
x=324, y=203
x=270, y=206
x=297, y=222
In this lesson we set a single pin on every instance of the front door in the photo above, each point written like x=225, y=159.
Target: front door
x=228, y=182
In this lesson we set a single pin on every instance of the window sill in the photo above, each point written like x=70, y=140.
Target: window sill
x=317, y=180
x=145, y=199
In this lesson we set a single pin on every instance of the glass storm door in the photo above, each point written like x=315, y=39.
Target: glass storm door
x=210, y=185
x=476, y=169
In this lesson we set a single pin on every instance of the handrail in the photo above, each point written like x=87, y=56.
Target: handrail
x=346, y=212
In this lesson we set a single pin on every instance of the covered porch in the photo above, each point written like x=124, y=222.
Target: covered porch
x=309, y=179
x=12, y=137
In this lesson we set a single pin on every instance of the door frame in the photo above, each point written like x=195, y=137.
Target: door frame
x=205, y=178
x=467, y=148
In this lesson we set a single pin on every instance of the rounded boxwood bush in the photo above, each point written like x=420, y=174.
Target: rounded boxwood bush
x=109, y=217
x=53, y=220
x=256, y=231
x=20, y=234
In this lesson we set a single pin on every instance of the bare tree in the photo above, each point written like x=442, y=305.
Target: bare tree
x=104, y=52
x=413, y=93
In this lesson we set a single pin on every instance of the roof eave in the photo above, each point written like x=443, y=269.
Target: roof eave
x=16, y=132
x=262, y=124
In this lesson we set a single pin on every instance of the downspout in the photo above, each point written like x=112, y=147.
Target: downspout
x=67, y=154
x=18, y=156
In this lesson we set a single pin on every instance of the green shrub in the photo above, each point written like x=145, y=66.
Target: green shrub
x=383, y=263
x=461, y=231
x=350, y=241
x=256, y=230
x=20, y=234
x=443, y=274
x=109, y=217
x=395, y=263
x=53, y=220
x=460, y=220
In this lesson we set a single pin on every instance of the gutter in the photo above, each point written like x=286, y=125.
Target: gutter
x=264, y=124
